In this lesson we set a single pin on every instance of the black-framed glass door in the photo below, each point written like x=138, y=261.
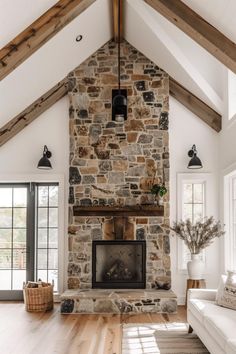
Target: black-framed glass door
x=28, y=236
x=15, y=256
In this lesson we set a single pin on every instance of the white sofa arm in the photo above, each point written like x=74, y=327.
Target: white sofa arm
x=204, y=294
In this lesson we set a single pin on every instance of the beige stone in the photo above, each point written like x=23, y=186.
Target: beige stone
x=120, y=165
x=132, y=137
x=88, y=170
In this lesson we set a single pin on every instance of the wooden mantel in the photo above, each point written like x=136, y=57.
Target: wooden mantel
x=137, y=210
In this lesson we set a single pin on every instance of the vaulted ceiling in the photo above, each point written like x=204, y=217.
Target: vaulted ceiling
x=151, y=33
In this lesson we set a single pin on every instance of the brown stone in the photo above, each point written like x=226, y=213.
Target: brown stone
x=72, y=229
x=82, y=130
x=120, y=165
x=142, y=221
x=156, y=84
x=151, y=167
x=140, y=159
x=88, y=170
x=142, y=112
x=96, y=107
x=108, y=79
x=73, y=283
x=137, y=77
x=101, y=179
x=84, y=152
x=132, y=137
x=108, y=230
x=146, y=183
x=134, y=125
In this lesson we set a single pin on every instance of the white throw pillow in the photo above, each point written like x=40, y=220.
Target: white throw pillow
x=221, y=286
x=227, y=297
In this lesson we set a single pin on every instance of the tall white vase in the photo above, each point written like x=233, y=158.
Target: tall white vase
x=195, y=267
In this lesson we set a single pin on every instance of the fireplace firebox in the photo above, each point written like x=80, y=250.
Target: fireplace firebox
x=119, y=264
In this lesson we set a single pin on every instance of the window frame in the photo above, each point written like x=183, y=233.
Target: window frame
x=207, y=180
x=230, y=259
x=62, y=216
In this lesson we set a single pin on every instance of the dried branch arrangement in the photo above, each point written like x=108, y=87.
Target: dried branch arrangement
x=199, y=235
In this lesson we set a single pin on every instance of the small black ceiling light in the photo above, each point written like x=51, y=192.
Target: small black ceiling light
x=119, y=97
x=195, y=162
x=44, y=162
x=79, y=38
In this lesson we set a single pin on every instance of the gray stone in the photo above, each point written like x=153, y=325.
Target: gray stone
x=139, y=170
x=166, y=244
x=169, y=306
x=96, y=234
x=133, y=149
x=155, y=229
x=105, y=166
x=88, y=179
x=148, y=96
x=140, y=234
x=164, y=121
x=116, y=178
x=71, y=195
x=105, y=306
x=145, y=139
x=74, y=175
x=74, y=269
x=86, y=202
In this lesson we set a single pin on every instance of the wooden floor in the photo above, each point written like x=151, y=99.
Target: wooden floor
x=48, y=333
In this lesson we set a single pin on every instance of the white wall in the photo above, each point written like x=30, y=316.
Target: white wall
x=185, y=130
x=19, y=158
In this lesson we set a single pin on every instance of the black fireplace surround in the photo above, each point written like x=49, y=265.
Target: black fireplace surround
x=119, y=264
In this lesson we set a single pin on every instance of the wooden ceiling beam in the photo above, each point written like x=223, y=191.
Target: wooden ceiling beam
x=198, y=29
x=195, y=105
x=22, y=120
x=115, y=10
x=39, y=32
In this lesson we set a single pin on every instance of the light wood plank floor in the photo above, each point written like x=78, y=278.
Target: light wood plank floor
x=49, y=333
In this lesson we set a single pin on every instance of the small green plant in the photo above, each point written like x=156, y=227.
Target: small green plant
x=159, y=190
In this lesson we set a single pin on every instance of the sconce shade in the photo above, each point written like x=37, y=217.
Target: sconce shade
x=119, y=100
x=195, y=162
x=44, y=163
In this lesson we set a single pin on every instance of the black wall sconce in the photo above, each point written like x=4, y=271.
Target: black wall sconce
x=195, y=162
x=119, y=97
x=44, y=162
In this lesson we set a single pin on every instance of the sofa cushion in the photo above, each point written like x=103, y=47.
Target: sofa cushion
x=221, y=325
x=198, y=307
x=227, y=298
x=231, y=347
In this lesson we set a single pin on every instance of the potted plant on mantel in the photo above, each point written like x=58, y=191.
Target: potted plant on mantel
x=159, y=190
x=196, y=237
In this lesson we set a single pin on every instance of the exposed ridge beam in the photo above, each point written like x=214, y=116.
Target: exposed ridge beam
x=198, y=29
x=39, y=32
x=115, y=9
x=195, y=105
x=22, y=120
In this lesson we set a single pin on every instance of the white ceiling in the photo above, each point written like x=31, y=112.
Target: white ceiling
x=187, y=62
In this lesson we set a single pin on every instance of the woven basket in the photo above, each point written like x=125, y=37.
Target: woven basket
x=38, y=299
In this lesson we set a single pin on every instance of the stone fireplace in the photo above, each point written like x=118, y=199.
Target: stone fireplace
x=119, y=264
x=113, y=165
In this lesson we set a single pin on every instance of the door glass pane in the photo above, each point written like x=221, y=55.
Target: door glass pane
x=5, y=238
x=5, y=276
x=42, y=238
x=19, y=217
x=5, y=197
x=52, y=259
x=53, y=238
x=42, y=258
x=5, y=217
x=5, y=259
x=43, y=196
x=19, y=258
x=43, y=275
x=53, y=217
x=19, y=238
x=18, y=278
x=20, y=197
x=53, y=196
x=53, y=276
x=42, y=217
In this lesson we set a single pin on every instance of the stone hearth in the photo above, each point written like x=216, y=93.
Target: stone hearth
x=118, y=301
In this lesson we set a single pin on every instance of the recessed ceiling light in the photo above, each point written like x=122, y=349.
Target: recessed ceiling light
x=79, y=38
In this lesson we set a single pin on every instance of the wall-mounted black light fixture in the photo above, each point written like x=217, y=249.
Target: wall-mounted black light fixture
x=44, y=162
x=195, y=162
x=119, y=97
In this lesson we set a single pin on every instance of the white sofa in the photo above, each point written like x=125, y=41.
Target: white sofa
x=214, y=325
